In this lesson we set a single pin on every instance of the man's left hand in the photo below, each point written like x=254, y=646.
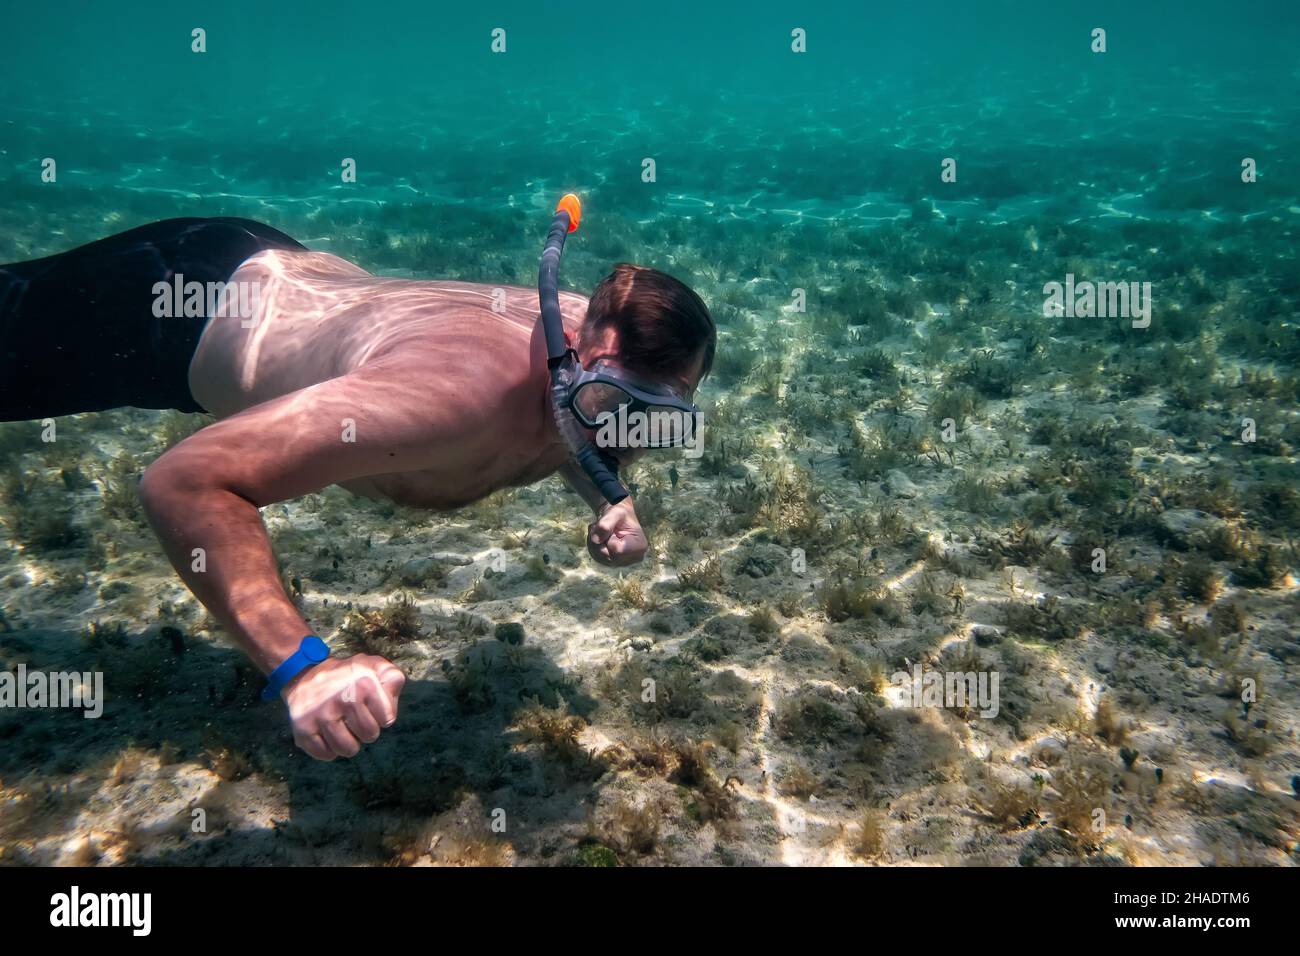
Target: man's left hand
x=615, y=538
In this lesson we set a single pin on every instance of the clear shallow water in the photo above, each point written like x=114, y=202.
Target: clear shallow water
x=738, y=125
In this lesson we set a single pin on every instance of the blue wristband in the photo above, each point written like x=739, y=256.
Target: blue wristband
x=310, y=652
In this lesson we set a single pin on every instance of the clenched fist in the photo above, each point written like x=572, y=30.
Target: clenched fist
x=342, y=703
x=616, y=538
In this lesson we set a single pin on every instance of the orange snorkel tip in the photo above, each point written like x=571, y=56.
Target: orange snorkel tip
x=570, y=204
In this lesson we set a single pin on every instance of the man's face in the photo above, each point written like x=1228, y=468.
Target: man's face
x=684, y=383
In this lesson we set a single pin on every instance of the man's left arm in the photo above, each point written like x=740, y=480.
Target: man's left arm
x=615, y=538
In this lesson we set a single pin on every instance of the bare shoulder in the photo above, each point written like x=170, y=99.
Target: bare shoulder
x=299, y=264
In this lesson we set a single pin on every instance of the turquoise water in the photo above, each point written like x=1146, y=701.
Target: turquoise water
x=848, y=134
x=780, y=178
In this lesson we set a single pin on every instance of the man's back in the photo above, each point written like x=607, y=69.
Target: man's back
x=471, y=349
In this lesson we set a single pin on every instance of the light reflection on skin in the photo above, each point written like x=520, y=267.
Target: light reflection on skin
x=449, y=401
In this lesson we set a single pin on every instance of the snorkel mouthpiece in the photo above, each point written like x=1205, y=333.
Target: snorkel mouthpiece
x=561, y=360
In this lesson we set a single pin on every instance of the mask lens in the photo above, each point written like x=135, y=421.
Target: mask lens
x=596, y=399
x=668, y=427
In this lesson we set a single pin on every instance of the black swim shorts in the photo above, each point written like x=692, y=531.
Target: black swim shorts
x=80, y=331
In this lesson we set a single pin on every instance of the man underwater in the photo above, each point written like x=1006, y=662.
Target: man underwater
x=429, y=394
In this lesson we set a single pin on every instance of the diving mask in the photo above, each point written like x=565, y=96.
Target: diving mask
x=607, y=395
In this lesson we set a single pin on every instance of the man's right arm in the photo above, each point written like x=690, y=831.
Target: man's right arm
x=202, y=498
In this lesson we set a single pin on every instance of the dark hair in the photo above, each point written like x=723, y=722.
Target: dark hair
x=662, y=324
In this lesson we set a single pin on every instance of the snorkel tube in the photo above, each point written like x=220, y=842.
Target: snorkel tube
x=562, y=361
